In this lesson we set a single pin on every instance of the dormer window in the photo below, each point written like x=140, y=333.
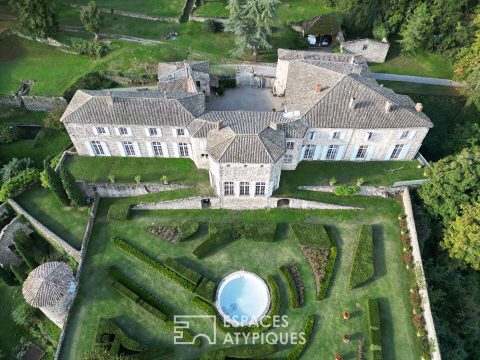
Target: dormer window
x=369, y=135
x=365, y=47
x=123, y=131
x=311, y=135
x=404, y=135
x=290, y=145
x=101, y=130
x=336, y=135
x=180, y=132
x=153, y=131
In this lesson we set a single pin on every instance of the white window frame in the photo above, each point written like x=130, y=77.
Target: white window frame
x=260, y=188
x=101, y=130
x=336, y=135
x=288, y=159
x=183, y=150
x=152, y=132
x=228, y=188
x=309, y=152
x=129, y=148
x=244, y=188
x=290, y=145
x=97, y=148
x=397, y=150
x=121, y=131
x=362, y=150
x=180, y=132
x=404, y=134
x=332, y=152
x=157, y=149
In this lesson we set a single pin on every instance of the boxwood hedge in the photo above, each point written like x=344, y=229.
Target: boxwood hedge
x=206, y=290
x=298, y=350
x=373, y=313
x=291, y=286
x=323, y=290
x=362, y=268
x=184, y=271
x=311, y=235
x=248, y=351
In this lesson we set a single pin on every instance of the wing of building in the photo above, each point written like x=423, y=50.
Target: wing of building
x=332, y=110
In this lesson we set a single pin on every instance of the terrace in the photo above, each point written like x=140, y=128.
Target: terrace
x=247, y=99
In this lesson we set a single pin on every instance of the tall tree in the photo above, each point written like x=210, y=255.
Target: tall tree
x=454, y=181
x=92, y=18
x=36, y=17
x=71, y=187
x=417, y=31
x=54, y=182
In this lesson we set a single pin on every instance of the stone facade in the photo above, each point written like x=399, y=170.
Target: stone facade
x=372, y=50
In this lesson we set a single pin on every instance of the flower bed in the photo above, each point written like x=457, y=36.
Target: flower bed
x=174, y=234
x=296, y=289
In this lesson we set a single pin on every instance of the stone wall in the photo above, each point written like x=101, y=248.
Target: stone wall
x=417, y=259
x=117, y=190
x=383, y=191
x=372, y=50
x=48, y=234
x=7, y=234
x=205, y=18
x=34, y=103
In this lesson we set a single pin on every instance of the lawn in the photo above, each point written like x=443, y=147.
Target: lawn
x=96, y=298
x=213, y=8
x=10, y=332
x=68, y=223
x=20, y=116
x=125, y=169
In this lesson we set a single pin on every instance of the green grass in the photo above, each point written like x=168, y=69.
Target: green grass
x=297, y=10
x=51, y=143
x=213, y=8
x=422, y=63
x=96, y=298
x=410, y=88
x=125, y=169
x=347, y=173
x=68, y=223
x=19, y=116
x=10, y=333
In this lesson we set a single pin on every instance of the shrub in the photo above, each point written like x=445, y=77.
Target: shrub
x=25, y=255
x=324, y=284
x=187, y=230
x=373, y=313
x=19, y=183
x=71, y=187
x=176, y=233
x=362, y=268
x=229, y=83
x=52, y=120
x=344, y=190
x=14, y=167
x=118, y=212
x=297, y=351
x=54, y=183
x=18, y=273
x=293, y=290
x=6, y=277
x=90, y=81
x=219, y=234
x=184, y=271
x=206, y=290
x=88, y=47
x=49, y=331
x=257, y=231
x=311, y=235
x=23, y=313
x=9, y=133
x=211, y=26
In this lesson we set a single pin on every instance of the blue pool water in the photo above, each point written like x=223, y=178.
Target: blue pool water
x=243, y=298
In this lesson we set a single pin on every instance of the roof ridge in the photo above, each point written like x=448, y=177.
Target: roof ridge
x=327, y=91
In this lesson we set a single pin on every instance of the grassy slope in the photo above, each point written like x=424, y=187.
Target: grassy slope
x=68, y=223
x=10, y=333
x=97, y=299
x=171, y=8
x=19, y=116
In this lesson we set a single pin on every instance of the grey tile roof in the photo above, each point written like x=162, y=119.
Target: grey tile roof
x=284, y=54
x=332, y=109
x=180, y=85
x=141, y=107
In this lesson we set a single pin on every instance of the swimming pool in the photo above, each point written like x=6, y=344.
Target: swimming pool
x=242, y=298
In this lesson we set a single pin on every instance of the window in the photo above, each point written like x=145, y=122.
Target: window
x=97, y=148
x=204, y=156
x=128, y=147
x=332, y=152
x=228, y=188
x=183, y=149
x=197, y=83
x=365, y=47
x=309, y=151
x=396, y=152
x=123, y=131
x=336, y=135
x=404, y=135
x=311, y=135
x=288, y=159
x=101, y=130
x=369, y=135
x=361, y=152
x=260, y=188
x=157, y=148
x=290, y=145
x=180, y=132
x=152, y=131
x=244, y=188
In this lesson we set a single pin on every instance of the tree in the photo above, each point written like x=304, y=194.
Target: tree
x=36, y=18
x=71, y=187
x=101, y=354
x=54, y=183
x=92, y=18
x=52, y=120
x=417, y=29
x=462, y=236
x=251, y=21
x=13, y=168
x=9, y=134
x=454, y=181
x=23, y=314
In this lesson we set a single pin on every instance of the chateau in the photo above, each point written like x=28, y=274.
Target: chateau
x=331, y=109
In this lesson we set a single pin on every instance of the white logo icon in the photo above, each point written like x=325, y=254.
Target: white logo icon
x=183, y=322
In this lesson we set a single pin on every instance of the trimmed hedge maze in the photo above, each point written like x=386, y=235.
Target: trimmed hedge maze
x=296, y=290
x=362, y=269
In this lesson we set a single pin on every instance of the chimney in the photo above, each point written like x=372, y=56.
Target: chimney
x=109, y=98
x=274, y=125
x=388, y=106
x=219, y=124
x=318, y=88
x=357, y=69
x=419, y=107
x=353, y=102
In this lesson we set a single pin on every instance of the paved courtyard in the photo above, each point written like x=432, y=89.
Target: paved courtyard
x=245, y=98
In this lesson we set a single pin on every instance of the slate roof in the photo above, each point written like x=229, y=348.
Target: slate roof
x=47, y=284
x=136, y=107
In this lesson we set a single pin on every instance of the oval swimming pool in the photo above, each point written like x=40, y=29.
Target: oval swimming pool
x=242, y=298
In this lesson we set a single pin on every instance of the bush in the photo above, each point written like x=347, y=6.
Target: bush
x=257, y=231
x=373, y=313
x=54, y=183
x=88, y=47
x=9, y=134
x=6, y=277
x=14, y=167
x=297, y=351
x=19, y=183
x=211, y=26
x=184, y=271
x=206, y=290
x=52, y=120
x=324, y=285
x=293, y=291
x=186, y=230
x=71, y=187
x=19, y=273
x=362, y=268
x=49, y=331
x=311, y=235
x=219, y=234
x=118, y=212
x=344, y=190
x=90, y=81
x=23, y=313
x=25, y=255
x=229, y=83
x=187, y=336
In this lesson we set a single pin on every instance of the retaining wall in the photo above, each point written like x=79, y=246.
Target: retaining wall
x=34, y=103
x=383, y=191
x=8, y=257
x=118, y=190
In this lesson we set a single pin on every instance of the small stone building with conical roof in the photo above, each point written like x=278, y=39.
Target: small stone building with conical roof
x=51, y=287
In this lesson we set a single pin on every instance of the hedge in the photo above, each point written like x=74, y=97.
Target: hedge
x=362, y=268
x=153, y=264
x=75, y=194
x=291, y=286
x=186, y=230
x=248, y=351
x=311, y=235
x=373, y=313
x=219, y=235
x=118, y=212
x=6, y=277
x=206, y=290
x=18, y=183
x=29, y=261
x=257, y=231
x=188, y=274
x=300, y=348
x=323, y=290
x=344, y=190
x=186, y=334
x=18, y=273
x=49, y=330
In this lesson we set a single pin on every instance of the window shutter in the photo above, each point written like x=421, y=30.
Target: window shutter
x=342, y=135
x=303, y=152
x=120, y=147
x=404, y=152
x=94, y=129
x=370, y=151
x=117, y=132
x=174, y=132
x=190, y=150
x=105, y=148
x=389, y=152
x=341, y=151
x=89, y=148
x=316, y=153
x=411, y=134
x=137, y=149
x=186, y=132
x=366, y=135
x=159, y=131
x=165, y=150
x=354, y=153
x=149, y=148
x=129, y=131
x=270, y=188
x=147, y=132
x=399, y=135
x=175, y=149
x=324, y=153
